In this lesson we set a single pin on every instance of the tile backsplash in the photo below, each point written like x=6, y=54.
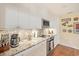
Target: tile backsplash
x=27, y=34
x=23, y=34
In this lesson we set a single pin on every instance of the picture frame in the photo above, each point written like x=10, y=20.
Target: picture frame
x=76, y=18
x=62, y=20
x=76, y=27
x=70, y=25
x=64, y=30
x=68, y=19
x=70, y=30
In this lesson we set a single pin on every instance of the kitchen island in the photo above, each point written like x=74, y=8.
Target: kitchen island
x=36, y=46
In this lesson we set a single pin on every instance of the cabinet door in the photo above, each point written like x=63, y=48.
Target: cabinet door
x=2, y=17
x=38, y=50
x=14, y=18
x=29, y=21
x=35, y=22
x=11, y=18
x=23, y=19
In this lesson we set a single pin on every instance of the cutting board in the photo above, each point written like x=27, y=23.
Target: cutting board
x=4, y=48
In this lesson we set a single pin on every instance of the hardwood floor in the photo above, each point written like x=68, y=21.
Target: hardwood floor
x=61, y=50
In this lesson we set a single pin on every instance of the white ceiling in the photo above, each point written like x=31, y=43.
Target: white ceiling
x=56, y=9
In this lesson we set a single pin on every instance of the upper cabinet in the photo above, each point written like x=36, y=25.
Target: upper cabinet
x=35, y=22
x=23, y=20
x=11, y=20
x=28, y=21
x=8, y=18
x=2, y=17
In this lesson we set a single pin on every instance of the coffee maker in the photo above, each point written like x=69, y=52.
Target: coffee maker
x=14, y=40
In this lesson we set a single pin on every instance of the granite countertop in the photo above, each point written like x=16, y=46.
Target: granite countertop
x=23, y=45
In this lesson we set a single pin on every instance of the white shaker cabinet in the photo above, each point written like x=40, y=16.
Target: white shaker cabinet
x=28, y=21
x=11, y=20
x=2, y=17
x=23, y=19
x=35, y=22
x=37, y=50
x=8, y=18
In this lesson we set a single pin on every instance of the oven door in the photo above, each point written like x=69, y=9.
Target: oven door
x=50, y=45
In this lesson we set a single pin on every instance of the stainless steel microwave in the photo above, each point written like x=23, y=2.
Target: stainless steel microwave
x=45, y=23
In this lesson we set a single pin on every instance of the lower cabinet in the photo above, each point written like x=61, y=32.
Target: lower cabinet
x=37, y=50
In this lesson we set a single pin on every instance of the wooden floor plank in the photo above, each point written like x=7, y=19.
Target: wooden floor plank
x=61, y=50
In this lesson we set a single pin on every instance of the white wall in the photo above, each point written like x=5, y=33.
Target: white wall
x=54, y=23
x=69, y=39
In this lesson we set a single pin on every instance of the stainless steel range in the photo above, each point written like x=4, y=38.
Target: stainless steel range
x=50, y=44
